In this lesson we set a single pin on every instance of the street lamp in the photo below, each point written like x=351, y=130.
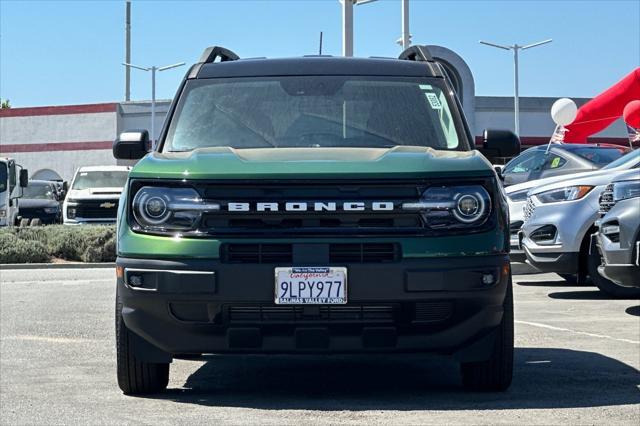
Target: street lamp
x=516, y=49
x=153, y=91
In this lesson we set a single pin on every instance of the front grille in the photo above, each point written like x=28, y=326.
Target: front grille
x=529, y=208
x=96, y=209
x=337, y=253
x=266, y=314
x=606, y=200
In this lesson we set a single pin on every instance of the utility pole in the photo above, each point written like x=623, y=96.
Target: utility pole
x=347, y=24
x=516, y=98
x=127, y=51
x=406, y=37
x=153, y=70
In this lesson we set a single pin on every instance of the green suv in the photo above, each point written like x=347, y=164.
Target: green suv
x=313, y=205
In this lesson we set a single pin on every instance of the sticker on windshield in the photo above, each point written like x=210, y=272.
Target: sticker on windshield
x=555, y=162
x=433, y=100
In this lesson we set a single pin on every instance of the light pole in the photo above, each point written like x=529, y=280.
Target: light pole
x=153, y=92
x=347, y=24
x=405, y=38
x=516, y=49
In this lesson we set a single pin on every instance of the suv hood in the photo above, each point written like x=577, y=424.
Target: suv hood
x=593, y=179
x=551, y=180
x=94, y=193
x=229, y=163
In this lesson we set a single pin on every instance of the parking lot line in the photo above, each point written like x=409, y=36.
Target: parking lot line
x=551, y=327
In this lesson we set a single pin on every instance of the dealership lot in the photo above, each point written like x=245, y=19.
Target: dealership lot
x=577, y=360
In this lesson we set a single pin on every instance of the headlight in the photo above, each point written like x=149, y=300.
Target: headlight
x=518, y=195
x=3, y=213
x=569, y=193
x=169, y=209
x=626, y=189
x=453, y=207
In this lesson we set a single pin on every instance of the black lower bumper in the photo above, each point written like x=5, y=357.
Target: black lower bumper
x=195, y=307
x=624, y=275
x=560, y=262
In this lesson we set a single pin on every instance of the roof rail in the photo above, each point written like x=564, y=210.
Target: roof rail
x=416, y=53
x=210, y=54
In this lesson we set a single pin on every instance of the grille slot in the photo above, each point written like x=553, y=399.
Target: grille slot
x=429, y=312
x=364, y=253
x=283, y=253
x=256, y=253
x=276, y=314
x=606, y=200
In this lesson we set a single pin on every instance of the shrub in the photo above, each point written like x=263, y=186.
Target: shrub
x=16, y=250
x=80, y=243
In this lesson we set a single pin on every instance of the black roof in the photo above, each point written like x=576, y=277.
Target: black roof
x=318, y=65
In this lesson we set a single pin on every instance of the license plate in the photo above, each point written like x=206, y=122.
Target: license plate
x=311, y=286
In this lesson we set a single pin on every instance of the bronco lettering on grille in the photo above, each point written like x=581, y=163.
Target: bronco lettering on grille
x=304, y=206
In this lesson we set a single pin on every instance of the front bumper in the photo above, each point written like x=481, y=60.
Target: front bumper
x=195, y=307
x=571, y=220
x=620, y=265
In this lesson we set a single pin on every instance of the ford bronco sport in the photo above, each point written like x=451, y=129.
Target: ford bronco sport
x=313, y=205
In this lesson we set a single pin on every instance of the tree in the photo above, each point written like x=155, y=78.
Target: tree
x=5, y=104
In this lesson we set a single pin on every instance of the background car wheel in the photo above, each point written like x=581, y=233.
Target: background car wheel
x=24, y=222
x=36, y=222
x=496, y=373
x=607, y=286
x=136, y=377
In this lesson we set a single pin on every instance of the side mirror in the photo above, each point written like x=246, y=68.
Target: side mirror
x=24, y=178
x=501, y=143
x=131, y=145
x=498, y=170
x=65, y=186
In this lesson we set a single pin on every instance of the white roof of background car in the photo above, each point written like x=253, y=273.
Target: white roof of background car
x=104, y=169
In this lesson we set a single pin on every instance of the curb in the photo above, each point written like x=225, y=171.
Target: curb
x=69, y=265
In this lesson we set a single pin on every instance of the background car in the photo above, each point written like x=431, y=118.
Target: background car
x=40, y=204
x=561, y=159
x=618, y=237
x=559, y=221
x=94, y=195
x=517, y=195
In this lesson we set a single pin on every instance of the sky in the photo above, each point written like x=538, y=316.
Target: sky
x=70, y=52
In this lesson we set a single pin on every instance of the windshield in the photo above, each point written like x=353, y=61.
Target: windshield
x=41, y=191
x=3, y=177
x=630, y=157
x=100, y=179
x=599, y=155
x=317, y=111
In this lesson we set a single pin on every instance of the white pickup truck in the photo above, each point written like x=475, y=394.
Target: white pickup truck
x=94, y=194
x=12, y=179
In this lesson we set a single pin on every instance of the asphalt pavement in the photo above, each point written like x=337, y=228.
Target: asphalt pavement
x=576, y=361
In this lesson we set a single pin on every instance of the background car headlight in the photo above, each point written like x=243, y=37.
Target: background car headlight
x=169, y=209
x=626, y=189
x=519, y=195
x=569, y=193
x=453, y=206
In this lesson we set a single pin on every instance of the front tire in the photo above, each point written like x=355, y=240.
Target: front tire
x=494, y=374
x=136, y=377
